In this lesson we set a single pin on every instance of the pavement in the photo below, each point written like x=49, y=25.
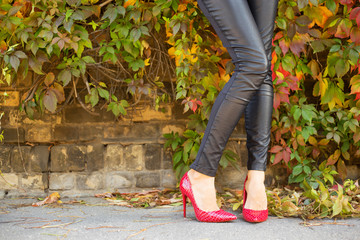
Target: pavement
x=96, y=218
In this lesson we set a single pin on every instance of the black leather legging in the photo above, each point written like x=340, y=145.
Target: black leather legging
x=245, y=28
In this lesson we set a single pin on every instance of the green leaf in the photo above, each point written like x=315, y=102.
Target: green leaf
x=177, y=157
x=14, y=62
x=104, y=93
x=297, y=170
x=65, y=77
x=94, y=97
x=337, y=207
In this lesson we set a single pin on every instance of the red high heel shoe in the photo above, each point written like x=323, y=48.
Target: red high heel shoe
x=253, y=215
x=202, y=216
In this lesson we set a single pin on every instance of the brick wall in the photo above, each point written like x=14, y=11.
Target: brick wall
x=78, y=154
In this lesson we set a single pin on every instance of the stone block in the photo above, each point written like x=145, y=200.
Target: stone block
x=59, y=157
x=147, y=179
x=95, y=157
x=90, y=132
x=143, y=113
x=152, y=156
x=279, y=173
x=135, y=132
x=9, y=181
x=39, y=133
x=231, y=178
x=14, y=135
x=66, y=133
x=33, y=182
x=168, y=128
x=25, y=81
x=39, y=159
x=93, y=181
x=134, y=157
x=144, y=130
x=167, y=159
x=115, y=132
x=118, y=180
x=9, y=98
x=76, y=157
x=243, y=152
x=20, y=159
x=76, y=114
x=168, y=179
x=114, y=158
x=61, y=181
x=5, y=153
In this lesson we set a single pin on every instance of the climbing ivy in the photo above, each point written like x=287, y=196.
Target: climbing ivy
x=115, y=53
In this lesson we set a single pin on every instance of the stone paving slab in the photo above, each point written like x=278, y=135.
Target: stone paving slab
x=97, y=219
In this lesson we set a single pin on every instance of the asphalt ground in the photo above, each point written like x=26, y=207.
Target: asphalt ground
x=96, y=218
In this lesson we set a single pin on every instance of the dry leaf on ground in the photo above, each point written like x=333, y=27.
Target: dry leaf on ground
x=52, y=198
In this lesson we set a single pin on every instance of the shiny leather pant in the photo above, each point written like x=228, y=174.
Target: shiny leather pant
x=245, y=28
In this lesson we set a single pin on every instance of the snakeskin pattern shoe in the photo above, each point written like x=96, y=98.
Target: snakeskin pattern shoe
x=202, y=216
x=253, y=215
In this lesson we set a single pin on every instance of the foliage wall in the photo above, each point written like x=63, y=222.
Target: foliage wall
x=113, y=54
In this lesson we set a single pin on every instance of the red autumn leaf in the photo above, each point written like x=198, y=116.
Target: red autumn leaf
x=284, y=45
x=277, y=158
x=293, y=82
x=315, y=152
x=333, y=158
x=343, y=29
x=355, y=35
x=286, y=155
x=281, y=95
x=355, y=15
x=297, y=46
x=278, y=36
x=276, y=149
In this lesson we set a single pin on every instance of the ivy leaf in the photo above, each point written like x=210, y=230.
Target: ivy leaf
x=59, y=92
x=355, y=35
x=135, y=34
x=355, y=15
x=104, y=93
x=94, y=97
x=50, y=100
x=14, y=62
x=65, y=77
x=49, y=79
x=35, y=65
x=302, y=3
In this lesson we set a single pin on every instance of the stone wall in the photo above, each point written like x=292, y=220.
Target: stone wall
x=76, y=153
x=79, y=154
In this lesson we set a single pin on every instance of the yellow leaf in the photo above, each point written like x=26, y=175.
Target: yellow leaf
x=312, y=141
x=171, y=51
x=323, y=84
x=182, y=7
x=145, y=44
x=147, y=62
x=129, y=2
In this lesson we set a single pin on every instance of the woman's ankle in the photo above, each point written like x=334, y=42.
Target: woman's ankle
x=197, y=176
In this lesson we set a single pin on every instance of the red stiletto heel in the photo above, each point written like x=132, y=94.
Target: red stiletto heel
x=184, y=204
x=202, y=216
x=253, y=215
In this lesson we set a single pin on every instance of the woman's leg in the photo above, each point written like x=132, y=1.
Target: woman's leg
x=258, y=113
x=235, y=25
